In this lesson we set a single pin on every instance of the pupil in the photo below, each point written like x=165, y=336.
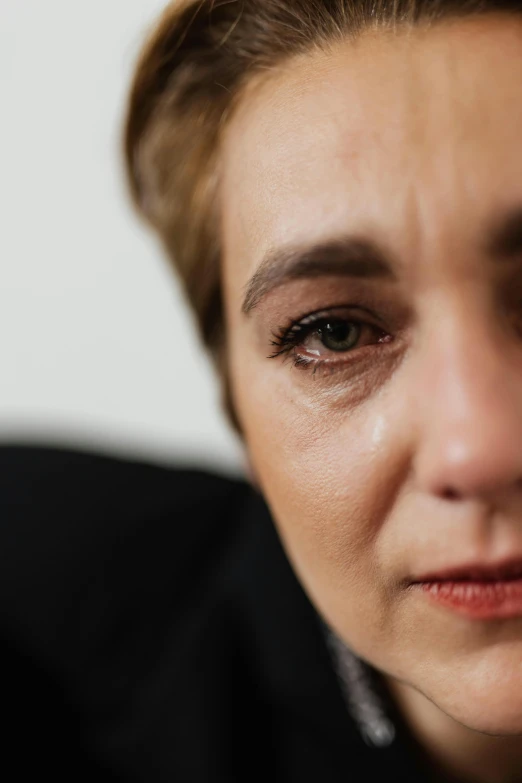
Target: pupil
x=340, y=336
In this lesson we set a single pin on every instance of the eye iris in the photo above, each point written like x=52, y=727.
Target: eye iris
x=340, y=335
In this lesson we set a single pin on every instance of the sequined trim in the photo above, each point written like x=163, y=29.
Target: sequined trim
x=363, y=702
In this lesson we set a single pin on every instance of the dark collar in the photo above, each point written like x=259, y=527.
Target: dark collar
x=307, y=669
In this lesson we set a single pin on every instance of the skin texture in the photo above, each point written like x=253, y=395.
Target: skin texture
x=402, y=455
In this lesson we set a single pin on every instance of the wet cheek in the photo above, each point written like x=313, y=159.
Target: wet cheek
x=323, y=473
x=331, y=474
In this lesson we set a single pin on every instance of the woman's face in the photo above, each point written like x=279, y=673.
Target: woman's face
x=372, y=226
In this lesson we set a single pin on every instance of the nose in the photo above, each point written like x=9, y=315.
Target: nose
x=469, y=409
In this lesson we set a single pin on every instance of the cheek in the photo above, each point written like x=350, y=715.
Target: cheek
x=330, y=477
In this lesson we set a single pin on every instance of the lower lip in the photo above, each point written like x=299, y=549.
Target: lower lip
x=478, y=600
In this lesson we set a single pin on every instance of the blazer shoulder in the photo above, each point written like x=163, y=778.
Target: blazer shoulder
x=86, y=536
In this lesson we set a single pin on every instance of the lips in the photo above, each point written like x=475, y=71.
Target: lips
x=479, y=591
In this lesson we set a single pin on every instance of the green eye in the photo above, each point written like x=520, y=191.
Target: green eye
x=340, y=335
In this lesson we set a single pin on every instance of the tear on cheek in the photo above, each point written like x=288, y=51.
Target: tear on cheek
x=379, y=429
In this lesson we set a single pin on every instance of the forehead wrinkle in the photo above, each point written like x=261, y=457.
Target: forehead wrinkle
x=275, y=147
x=285, y=145
x=284, y=128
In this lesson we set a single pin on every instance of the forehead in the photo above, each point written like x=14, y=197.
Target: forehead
x=415, y=137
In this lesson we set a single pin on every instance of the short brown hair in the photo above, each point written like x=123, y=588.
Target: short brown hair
x=188, y=80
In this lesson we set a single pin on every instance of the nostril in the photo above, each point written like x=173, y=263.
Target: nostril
x=448, y=493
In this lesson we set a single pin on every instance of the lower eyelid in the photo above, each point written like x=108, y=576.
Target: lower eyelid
x=344, y=361
x=346, y=372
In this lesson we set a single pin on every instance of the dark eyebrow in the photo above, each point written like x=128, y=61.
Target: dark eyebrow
x=504, y=240
x=345, y=256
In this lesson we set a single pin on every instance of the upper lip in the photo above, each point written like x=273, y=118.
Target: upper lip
x=480, y=572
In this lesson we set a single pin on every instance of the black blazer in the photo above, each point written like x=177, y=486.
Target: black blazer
x=153, y=630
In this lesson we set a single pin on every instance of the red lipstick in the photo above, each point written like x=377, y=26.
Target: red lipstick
x=478, y=591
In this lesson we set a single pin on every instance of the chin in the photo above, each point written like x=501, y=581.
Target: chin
x=504, y=721
x=488, y=697
x=478, y=686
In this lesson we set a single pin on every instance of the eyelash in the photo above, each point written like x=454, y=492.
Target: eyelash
x=287, y=340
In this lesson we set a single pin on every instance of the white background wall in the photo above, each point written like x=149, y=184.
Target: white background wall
x=96, y=344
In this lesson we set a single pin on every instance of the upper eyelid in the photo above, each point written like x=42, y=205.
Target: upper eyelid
x=306, y=324
x=321, y=315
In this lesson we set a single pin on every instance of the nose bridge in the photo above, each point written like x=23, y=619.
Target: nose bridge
x=469, y=408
